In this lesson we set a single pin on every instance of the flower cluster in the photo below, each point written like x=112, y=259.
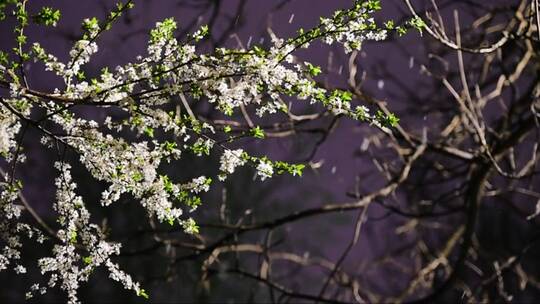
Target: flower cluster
x=230, y=160
x=11, y=229
x=9, y=127
x=82, y=245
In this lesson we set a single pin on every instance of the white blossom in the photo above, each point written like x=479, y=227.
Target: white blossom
x=265, y=170
x=230, y=160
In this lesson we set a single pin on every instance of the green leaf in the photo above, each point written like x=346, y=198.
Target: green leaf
x=257, y=132
x=169, y=146
x=73, y=237
x=137, y=177
x=389, y=120
x=149, y=131
x=4, y=58
x=313, y=69
x=90, y=24
x=142, y=293
x=47, y=16
x=167, y=184
x=87, y=260
x=417, y=23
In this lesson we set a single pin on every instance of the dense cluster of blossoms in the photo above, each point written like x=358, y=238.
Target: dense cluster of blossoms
x=76, y=233
x=129, y=164
x=9, y=127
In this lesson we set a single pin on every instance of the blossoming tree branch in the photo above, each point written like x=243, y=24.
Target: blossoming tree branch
x=149, y=127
